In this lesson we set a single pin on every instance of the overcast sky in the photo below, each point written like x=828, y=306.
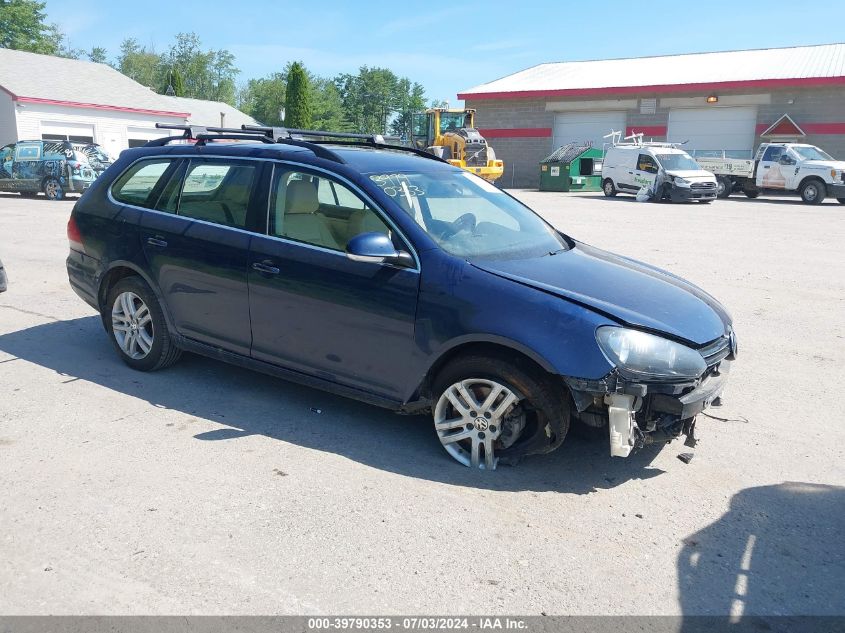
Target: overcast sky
x=446, y=46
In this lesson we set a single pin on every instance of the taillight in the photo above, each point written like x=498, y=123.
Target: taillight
x=74, y=236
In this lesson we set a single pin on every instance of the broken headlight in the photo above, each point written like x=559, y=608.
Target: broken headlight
x=643, y=356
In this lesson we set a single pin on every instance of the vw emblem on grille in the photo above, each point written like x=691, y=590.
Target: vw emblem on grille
x=481, y=424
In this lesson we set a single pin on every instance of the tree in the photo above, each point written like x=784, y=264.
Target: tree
x=297, y=98
x=326, y=106
x=263, y=99
x=140, y=64
x=173, y=81
x=410, y=99
x=205, y=74
x=23, y=28
x=98, y=54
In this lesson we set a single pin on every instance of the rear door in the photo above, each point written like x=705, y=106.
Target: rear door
x=315, y=310
x=196, y=243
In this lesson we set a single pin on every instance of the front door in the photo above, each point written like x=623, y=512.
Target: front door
x=645, y=171
x=196, y=246
x=770, y=173
x=316, y=311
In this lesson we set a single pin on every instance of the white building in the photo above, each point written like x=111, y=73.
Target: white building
x=45, y=97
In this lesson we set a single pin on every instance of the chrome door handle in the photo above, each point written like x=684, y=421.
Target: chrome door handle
x=265, y=268
x=156, y=241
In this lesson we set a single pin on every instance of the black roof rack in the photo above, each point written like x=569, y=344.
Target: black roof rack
x=283, y=136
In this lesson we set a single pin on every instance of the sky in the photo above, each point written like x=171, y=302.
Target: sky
x=449, y=46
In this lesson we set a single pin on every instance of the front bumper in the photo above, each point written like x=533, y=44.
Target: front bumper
x=836, y=190
x=685, y=194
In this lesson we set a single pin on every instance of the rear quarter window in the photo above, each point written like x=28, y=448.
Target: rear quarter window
x=136, y=184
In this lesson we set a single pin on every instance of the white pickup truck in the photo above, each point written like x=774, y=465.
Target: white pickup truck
x=796, y=167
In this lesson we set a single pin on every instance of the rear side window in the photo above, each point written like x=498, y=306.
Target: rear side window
x=218, y=191
x=136, y=185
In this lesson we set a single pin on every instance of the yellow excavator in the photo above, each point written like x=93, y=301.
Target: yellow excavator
x=451, y=135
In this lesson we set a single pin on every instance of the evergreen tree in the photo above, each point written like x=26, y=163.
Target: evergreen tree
x=298, y=98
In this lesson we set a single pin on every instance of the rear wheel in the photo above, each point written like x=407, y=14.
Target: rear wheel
x=609, y=188
x=813, y=192
x=489, y=410
x=724, y=187
x=136, y=326
x=53, y=189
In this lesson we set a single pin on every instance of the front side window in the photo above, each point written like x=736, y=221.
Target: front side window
x=217, y=191
x=318, y=211
x=137, y=184
x=773, y=153
x=646, y=163
x=451, y=121
x=468, y=217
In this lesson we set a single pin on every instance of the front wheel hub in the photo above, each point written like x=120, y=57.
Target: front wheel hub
x=469, y=417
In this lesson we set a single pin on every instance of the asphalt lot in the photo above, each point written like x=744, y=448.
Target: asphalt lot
x=206, y=489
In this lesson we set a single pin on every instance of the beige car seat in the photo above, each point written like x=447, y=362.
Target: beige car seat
x=300, y=221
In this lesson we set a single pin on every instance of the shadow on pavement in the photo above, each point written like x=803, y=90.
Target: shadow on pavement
x=778, y=551
x=249, y=403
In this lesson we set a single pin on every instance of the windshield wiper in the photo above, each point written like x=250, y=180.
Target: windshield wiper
x=552, y=253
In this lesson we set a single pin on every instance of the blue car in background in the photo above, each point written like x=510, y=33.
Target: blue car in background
x=49, y=167
x=384, y=274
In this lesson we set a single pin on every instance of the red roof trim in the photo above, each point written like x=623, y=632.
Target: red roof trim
x=647, y=130
x=517, y=132
x=715, y=86
x=97, y=106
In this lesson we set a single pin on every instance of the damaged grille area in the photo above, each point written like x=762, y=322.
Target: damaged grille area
x=711, y=186
x=716, y=351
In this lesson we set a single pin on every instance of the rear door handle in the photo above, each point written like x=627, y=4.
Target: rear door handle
x=266, y=268
x=156, y=241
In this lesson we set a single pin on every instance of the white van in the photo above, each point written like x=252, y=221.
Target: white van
x=668, y=172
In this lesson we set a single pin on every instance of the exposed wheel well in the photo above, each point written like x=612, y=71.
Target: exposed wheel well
x=110, y=279
x=493, y=350
x=808, y=179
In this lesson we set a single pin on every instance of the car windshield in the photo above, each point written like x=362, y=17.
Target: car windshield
x=678, y=162
x=808, y=152
x=468, y=217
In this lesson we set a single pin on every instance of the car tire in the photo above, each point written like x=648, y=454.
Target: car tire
x=608, y=188
x=528, y=415
x=749, y=193
x=813, y=192
x=53, y=189
x=133, y=311
x=724, y=187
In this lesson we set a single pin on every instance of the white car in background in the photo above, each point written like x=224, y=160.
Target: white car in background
x=668, y=173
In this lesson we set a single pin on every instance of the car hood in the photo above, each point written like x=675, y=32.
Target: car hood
x=824, y=164
x=626, y=290
x=692, y=173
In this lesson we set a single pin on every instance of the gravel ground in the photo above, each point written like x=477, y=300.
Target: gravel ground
x=210, y=489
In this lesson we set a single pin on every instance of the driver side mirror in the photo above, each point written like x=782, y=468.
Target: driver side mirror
x=376, y=248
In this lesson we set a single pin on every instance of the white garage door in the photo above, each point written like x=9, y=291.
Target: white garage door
x=60, y=130
x=730, y=129
x=576, y=127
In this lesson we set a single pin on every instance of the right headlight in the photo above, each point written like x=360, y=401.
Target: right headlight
x=647, y=357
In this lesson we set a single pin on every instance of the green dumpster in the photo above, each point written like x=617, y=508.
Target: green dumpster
x=572, y=167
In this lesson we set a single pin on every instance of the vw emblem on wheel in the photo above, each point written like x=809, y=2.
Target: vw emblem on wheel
x=481, y=424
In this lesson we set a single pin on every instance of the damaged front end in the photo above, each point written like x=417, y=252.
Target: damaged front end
x=655, y=391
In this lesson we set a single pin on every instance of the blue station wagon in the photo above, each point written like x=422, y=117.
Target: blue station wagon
x=384, y=274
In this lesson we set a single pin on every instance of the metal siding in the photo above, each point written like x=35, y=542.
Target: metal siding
x=575, y=127
x=731, y=128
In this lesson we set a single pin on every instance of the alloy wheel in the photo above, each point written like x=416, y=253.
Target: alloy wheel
x=470, y=417
x=132, y=325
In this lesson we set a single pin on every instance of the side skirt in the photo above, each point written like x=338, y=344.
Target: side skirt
x=216, y=353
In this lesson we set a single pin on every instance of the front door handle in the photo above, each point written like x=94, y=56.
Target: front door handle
x=156, y=241
x=266, y=268
x=766, y=166
x=630, y=172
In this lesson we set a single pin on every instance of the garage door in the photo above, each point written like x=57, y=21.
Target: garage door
x=576, y=127
x=730, y=129
x=62, y=131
